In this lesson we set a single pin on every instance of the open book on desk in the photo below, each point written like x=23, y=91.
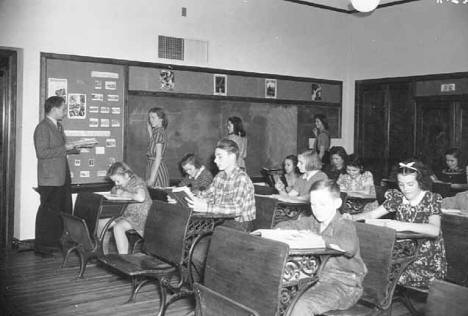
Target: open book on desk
x=179, y=194
x=296, y=239
x=114, y=197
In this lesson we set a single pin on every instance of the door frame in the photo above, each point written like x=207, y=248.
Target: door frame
x=7, y=204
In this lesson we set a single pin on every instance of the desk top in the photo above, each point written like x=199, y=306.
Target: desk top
x=316, y=251
x=412, y=235
x=214, y=215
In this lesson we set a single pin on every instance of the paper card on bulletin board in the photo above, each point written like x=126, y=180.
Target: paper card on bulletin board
x=95, y=102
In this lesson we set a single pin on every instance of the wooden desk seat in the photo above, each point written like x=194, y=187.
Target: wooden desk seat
x=265, y=212
x=163, y=252
x=376, y=245
x=455, y=233
x=79, y=232
x=446, y=299
x=242, y=268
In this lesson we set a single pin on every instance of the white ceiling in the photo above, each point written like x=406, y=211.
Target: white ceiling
x=344, y=5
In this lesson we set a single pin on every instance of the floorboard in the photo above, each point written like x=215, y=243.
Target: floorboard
x=31, y=285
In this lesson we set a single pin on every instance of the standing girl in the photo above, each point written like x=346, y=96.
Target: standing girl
x=157, y=174
x=322, y=141
x=417, y=210
x=237, y=133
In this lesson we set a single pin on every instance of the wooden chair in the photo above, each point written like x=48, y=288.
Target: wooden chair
x=265, y=212
x=79, y=232
x=446, y=299
x=376, y=245
x=455, y=233
x=245, y=269
x=163, y=253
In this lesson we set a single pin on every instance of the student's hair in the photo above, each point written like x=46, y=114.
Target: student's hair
x=229, y=146
x=456, y=153
x=322, y=119
x=355, y=161
x=293, y=158
x=415, y=166
x=192, y=159
x=329, y=185
x=53, y=102
x=238, y=126
x=340, y=151
x=313, y=161
x=161, y=114
x=119, y=168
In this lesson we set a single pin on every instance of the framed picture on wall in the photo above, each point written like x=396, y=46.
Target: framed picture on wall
x=270, y=88
x=219, y=84
x=316, y=93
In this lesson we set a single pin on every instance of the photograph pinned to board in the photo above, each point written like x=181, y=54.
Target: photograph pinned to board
x=104, y=74
x=91, y=162
x=84, y=174
x=101, y=173
x=115, y=123
x=105, y=122
x=93, y=122
x=100, y=150
x=270, y=88
x=98, y=84
x=72, y=175
x=76, y=106
x=97, y=96
x=113, y=97
x=219, y=84
x=57, y=87
x=110, y=85
x=167, y=79
x=105, y=109
x=77, y=162
x=110, y=142
x=93, y=109
x=316, y=93
x=115, y=110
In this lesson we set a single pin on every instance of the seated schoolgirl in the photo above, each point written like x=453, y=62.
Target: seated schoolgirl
x=417, y=210
x=309, y=164
x=127, y=185
x=197, y=177
x=338, y=160
x=340, y=284
x=357, y=183
x=454, y=172
x=290, y=175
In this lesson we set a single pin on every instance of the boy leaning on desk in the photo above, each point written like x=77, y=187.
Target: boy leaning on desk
x=340, y=282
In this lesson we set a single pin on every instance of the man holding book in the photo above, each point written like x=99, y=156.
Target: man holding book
x=53, y=176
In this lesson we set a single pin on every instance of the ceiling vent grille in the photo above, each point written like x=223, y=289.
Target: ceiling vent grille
x=189, y=50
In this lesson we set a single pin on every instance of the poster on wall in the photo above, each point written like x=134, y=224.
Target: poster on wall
x=316, y=93
x=57, y=87
x=76, y=106
x=220, y=84
x=270, y=88
x=167, y=79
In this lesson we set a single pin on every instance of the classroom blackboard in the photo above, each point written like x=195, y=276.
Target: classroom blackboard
x=94, y=94
x=197, y=123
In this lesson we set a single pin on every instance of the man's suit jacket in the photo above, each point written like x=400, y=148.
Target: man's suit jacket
x=51, y=154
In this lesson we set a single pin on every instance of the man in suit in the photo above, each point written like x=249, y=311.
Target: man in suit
x=53, y=176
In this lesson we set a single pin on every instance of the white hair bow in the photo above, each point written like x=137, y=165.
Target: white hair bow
x=408, y=165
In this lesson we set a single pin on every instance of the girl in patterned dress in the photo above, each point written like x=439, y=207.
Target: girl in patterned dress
x=197, y=177
x=157, y=174
x=419, y=211
x=359, y=186
x=129, y=185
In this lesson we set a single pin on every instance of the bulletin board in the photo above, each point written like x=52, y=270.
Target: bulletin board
x=94, y=91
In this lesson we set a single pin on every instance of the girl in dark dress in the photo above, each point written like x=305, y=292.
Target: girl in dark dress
x=455, y=172
x=338, y=161
x=322, y=137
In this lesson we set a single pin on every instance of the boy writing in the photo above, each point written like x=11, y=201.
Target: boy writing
x=339, y=285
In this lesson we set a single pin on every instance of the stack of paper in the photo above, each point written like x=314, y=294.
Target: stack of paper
x=296, y=239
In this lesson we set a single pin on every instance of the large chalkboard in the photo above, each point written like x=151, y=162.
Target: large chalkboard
x=196, y=124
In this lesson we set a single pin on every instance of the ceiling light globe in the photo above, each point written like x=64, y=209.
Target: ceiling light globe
x=365, y=5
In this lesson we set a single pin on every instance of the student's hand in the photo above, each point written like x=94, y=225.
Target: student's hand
x=198, y=204
x=149, y=182
x=279, y=186
x=171, y=200
x=118, y=191
x=347, y=216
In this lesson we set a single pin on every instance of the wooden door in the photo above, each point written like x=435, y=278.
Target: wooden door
x=434, y=131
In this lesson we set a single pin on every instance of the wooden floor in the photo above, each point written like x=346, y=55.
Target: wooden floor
x=31, y=285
